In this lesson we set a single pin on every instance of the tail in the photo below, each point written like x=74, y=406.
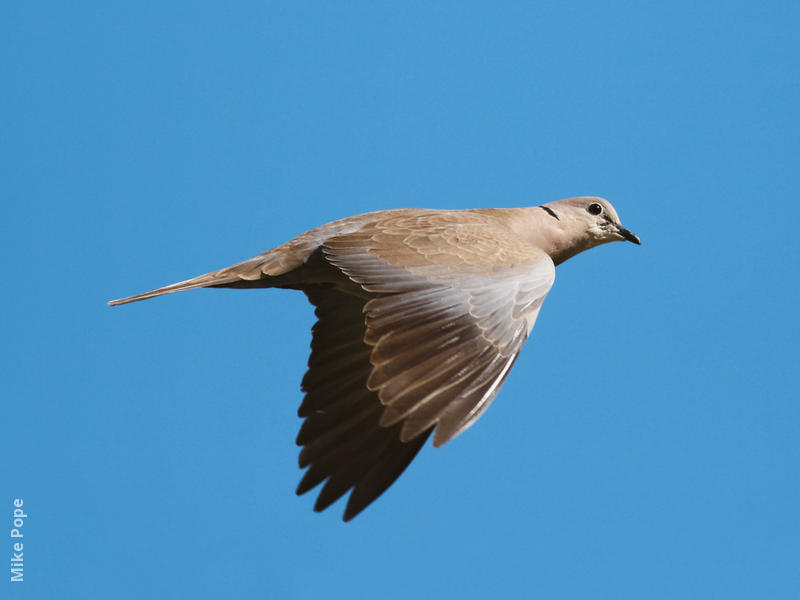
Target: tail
x=264, y=270
x=254, y=272
x=207, y=280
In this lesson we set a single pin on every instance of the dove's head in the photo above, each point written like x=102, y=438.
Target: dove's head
x=582, y=223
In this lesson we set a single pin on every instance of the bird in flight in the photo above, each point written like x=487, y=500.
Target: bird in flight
x=420, y=315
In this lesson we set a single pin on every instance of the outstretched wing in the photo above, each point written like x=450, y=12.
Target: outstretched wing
x=449, y=308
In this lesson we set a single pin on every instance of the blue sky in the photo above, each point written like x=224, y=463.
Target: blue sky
x=646, y=442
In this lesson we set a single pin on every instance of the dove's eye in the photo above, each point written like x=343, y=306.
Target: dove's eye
x=594, y=208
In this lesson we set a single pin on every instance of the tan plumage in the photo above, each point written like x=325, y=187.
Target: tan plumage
x=421, y=314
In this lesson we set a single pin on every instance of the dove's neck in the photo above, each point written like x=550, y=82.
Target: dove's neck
x=558, y=234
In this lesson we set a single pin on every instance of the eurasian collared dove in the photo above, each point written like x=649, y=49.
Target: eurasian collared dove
x=421, y=314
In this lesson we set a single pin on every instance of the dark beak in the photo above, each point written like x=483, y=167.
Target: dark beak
x=631, y=237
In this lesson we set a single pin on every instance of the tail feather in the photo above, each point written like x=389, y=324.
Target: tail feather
x=264, y=270
x=207, y=280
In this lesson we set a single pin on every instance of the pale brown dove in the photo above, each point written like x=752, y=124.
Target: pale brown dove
x=421, y=314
